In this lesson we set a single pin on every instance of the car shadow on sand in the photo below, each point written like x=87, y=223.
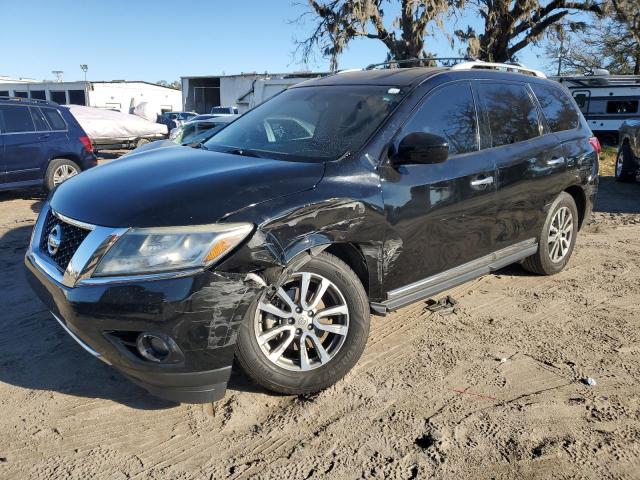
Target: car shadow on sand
x=617, y=197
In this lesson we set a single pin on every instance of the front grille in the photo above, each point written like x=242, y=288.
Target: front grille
x=71, y=239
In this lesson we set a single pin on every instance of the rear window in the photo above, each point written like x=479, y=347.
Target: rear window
x=622, y=106
x=513, y=117
x=54, y=118
x=16, y=119
x=557, y=108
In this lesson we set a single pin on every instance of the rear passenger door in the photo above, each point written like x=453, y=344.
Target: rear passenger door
x=528, y=160
x=443, y=213
x=562, y=119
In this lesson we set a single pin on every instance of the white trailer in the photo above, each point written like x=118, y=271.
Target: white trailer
x=606, y=101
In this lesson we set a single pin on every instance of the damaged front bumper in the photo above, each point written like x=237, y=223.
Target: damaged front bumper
x=196, y=316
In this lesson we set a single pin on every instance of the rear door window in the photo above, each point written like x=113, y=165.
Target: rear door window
x=449, y=112
x=54, y=118
x=557, y=108
x=38, y=120
x=513, y=117
x=17, y=119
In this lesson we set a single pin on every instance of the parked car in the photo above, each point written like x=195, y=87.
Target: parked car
x=628, y=159
x=184, y=133
x=194, y=141
x=41, y=143
x=175, y=119
x=273, y=242
x=222, y=111
x=205, y=116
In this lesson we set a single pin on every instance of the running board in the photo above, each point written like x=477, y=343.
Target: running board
x=440, y=282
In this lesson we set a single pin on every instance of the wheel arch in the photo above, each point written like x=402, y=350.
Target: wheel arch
x=580, y=198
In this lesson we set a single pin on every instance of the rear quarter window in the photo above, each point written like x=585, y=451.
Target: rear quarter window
x=54, y=118
x=557, y=108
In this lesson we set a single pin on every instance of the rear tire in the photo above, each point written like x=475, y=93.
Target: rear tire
x=284, y=367
x=623, y=171
x=141, y=141
x=58, y=171
x=557, y=239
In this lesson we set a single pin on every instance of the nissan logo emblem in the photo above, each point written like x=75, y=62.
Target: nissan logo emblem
x=54, y=239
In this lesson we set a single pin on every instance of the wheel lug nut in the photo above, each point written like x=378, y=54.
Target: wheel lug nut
x=299, y=331
x=310, y=327
x=291, y=321
x=298, y=310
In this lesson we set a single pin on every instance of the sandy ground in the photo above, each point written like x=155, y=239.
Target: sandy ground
x=430, y=397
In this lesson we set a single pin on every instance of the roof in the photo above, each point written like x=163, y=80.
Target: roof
x=406, y=77
x=397, y=77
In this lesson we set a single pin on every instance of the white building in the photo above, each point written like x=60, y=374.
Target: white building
x=116, y=94
x=244, y=91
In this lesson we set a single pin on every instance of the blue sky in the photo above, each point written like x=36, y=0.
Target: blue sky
x=162, y=40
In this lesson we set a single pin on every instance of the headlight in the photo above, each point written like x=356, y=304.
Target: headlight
x=153, y=250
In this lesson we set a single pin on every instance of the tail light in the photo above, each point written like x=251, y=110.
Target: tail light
x=86, y=141
x=595, y=143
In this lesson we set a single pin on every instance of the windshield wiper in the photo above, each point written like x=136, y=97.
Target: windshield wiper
x=244, y=152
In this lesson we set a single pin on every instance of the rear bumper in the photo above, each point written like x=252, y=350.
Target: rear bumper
x=200, y=313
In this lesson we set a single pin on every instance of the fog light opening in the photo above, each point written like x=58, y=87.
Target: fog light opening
x=153, y=347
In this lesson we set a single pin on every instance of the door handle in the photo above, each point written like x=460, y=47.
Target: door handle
x=556, y=161
x=44, y=137
x=482, y=181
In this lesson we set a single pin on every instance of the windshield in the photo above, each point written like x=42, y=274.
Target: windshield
x=309, y=123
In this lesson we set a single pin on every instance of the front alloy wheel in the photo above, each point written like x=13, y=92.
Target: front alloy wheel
x=310, y=332
x=304, y=326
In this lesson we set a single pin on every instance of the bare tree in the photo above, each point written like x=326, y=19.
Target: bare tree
x=611, y=42
x=511, y=25
x=338, y=22
x=627, y=14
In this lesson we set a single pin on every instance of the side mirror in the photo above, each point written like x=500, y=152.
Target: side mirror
x=420, y=147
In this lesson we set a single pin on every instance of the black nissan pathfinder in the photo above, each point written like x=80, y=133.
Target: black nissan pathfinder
x=274, y=241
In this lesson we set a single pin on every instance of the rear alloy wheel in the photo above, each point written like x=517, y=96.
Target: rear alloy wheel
x=557, y=239
x=59, y=171
x=310, y=333
x=560, y=234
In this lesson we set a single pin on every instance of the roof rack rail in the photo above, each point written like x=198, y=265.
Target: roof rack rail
x=589, y=80
x=34, y=100
x=506, y=67
x=447, y=60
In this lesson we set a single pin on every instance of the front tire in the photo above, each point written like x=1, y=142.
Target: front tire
x=557, y=239
x=310, y=334
x=623, y=171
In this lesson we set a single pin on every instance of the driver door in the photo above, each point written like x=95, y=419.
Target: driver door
x=443, y=213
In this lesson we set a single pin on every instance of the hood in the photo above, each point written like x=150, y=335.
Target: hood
x=178, y=186
x=152, y=146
